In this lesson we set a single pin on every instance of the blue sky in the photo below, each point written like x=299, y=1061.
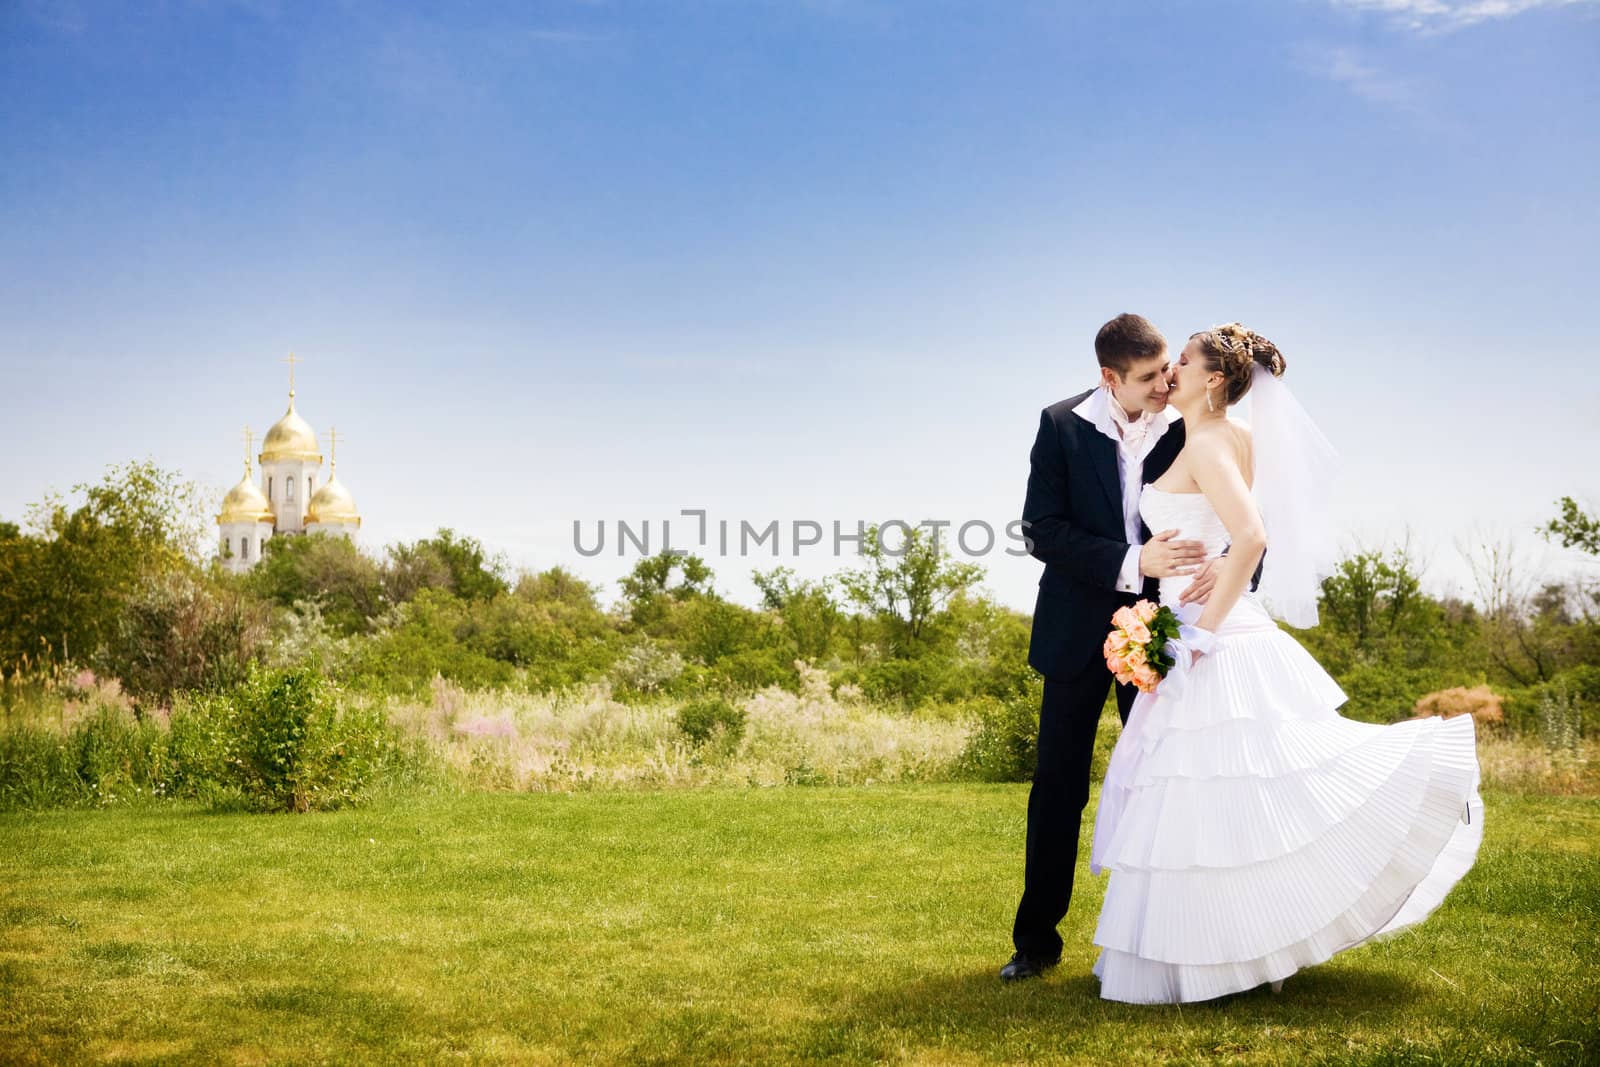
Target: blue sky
x=791, y=260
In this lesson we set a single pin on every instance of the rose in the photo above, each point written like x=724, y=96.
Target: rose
x=1139, y=632
x=1124, y=617
x=1146, y=678
x=1146, y=611
x=1135, y=656
x=1116, y=641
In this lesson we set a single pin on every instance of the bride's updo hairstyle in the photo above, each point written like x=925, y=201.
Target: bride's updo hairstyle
x=1233, y=350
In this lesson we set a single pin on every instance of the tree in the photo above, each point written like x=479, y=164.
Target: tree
x=329, y=571
x=1522, y=630
x=445, y=561
x=181, y=632
x=650, y=589
x=64, y=584
x=1574, y=528
x=558, y=586
x=910, y=586
x=810, y=614
x=1373, y=595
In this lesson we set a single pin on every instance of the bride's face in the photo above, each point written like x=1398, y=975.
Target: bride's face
x=1188, y=378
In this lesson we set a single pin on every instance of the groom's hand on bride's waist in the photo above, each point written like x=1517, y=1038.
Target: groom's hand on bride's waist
x=1162, y=557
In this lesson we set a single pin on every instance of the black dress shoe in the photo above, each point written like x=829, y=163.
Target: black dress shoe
x=1023, y=966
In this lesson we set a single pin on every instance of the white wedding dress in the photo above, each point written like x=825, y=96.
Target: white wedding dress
x=1250, y=830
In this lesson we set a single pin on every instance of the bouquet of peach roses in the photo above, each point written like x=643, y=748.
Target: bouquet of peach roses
x=1136, y=647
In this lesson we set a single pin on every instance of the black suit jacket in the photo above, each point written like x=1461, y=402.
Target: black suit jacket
x=1074, y=523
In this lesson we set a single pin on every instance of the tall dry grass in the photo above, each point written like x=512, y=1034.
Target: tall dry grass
x=1527, y=765
x=586, y=739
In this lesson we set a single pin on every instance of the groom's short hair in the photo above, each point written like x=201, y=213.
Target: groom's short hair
x=1125, y=339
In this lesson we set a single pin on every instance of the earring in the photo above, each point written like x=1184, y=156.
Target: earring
x=1209, y=406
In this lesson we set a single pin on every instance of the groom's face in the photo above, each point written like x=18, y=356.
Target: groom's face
x=1143, y=388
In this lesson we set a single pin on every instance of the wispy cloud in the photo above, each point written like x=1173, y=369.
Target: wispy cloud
x=1349, y=68
x=1439, y=16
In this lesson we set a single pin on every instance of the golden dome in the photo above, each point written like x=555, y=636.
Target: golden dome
x=245, y=503
x=332, y=503
x=291, y=437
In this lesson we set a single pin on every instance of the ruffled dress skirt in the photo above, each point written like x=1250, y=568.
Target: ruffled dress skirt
x=1251, y=831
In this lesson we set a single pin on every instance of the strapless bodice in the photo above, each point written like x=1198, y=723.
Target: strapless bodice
x=1192, y=515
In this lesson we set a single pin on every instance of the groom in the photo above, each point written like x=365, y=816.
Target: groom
x=1093, y=455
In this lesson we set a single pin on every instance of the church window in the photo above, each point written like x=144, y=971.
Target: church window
x=288, y=489
x=308, y=487
x=269, y=487
x=244, y=548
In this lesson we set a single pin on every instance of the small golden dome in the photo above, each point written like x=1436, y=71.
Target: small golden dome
x=291, y=437
x=332, y=504
x=245, y=503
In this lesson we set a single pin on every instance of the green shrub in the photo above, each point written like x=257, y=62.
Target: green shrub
x=429, y=636
x=753, y=669
x=279, y=742
x=119, y=757
x=179, y=632
x=204, y=745
x=546, y=630
x=1578, y=687
x=1383, y=692
x=904, y=681
x=702, y=720
x=1004, y=746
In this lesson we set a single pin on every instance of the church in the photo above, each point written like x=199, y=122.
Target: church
x=290, y=498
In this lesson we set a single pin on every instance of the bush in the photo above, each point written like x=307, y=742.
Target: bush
x=427, y=637
x=702, y=720
x=754, y=669
x=905, y=681
x=204, y=745
x=303, y=638
x=1383, y=692
x=1004, y=746
x=645, y=669
x=545, y=629
x=1481, y=702
x=279, y=742
x=179, y=632
x=1580, y=685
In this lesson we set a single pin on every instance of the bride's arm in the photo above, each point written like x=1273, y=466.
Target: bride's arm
x=1215, y=468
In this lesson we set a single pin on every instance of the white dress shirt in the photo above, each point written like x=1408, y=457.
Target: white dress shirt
x=1102, y=409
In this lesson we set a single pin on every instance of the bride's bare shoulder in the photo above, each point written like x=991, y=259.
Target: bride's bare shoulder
x=1225, y=444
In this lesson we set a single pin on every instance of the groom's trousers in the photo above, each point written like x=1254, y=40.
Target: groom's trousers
x=1068, y=718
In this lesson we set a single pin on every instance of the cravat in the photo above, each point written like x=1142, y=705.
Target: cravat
x=1133, y=431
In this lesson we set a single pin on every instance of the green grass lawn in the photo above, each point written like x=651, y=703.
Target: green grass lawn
x=851, y=925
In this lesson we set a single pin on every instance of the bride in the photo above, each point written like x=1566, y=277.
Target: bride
x=1249, y=829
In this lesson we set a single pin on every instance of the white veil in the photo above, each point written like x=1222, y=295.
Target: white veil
x=1295, y=468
